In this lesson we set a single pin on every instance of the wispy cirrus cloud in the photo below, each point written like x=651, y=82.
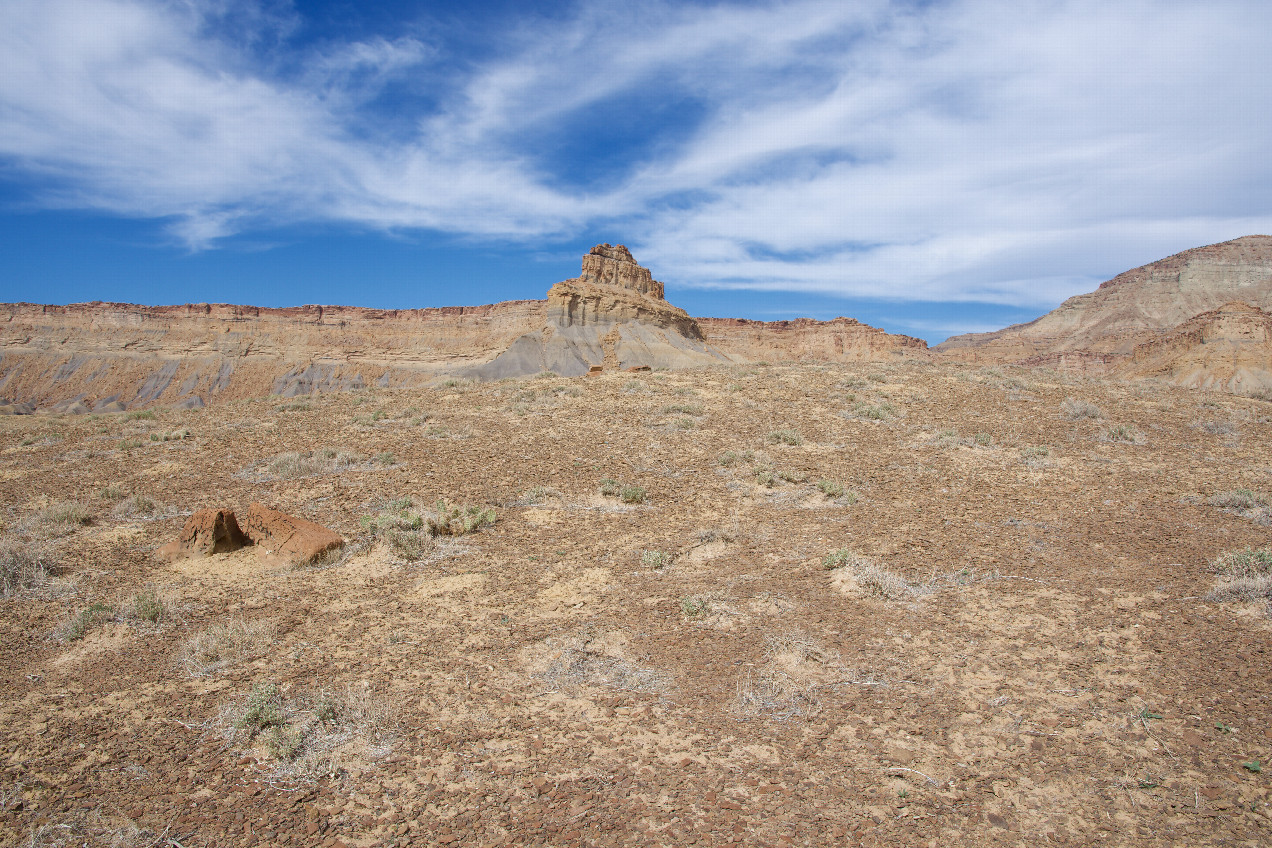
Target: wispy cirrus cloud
x=970, y=150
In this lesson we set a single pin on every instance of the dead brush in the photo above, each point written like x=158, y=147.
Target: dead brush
x=785, y=686
x=222, y=645
x=854, y=572
x=1075, y=410
x=23, y=567
x=592, y=658
x=294, y=465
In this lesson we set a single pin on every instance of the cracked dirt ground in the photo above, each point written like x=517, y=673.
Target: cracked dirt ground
x=1038, y=661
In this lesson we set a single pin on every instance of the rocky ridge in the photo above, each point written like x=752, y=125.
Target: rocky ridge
x=1100, y=332
x=108, y=357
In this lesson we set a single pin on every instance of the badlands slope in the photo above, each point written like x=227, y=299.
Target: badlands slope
x=1198, y=319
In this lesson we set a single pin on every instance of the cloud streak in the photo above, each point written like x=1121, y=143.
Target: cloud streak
x=951, y=151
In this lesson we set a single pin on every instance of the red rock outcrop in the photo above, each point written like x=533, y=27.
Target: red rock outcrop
x=216, y=531
x=295, y=538
x=207, y=532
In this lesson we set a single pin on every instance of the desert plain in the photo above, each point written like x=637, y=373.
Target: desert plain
x=904, y=602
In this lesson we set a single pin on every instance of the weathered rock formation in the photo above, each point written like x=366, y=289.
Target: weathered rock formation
x=613, y=315
x=108, y=357
x=215, y=531
x=1099, y=331
x=1226, y=349
x=804, y=339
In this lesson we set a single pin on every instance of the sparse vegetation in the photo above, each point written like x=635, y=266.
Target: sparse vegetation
x=683, y=408
x=830, y=488
x=1122, y=433
x=786, y=436
x=222, y=645
x=695, y=606
x=140, y=415
x=871, y=411
x=867, y=576
x=449, y=519
x=22, y=567
x=655, y=559
x=1244, y=575
x=633, y=494
x=611, y=488
x=147, y=606
x=1075, y=410
x=135, y=506
x=85, y=620
x=294, y=465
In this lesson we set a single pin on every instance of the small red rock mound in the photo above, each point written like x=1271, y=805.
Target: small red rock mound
x=214, y=531
x=207, y=532
x=280, y=533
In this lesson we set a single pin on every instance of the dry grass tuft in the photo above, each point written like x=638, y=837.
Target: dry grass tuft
x=1075, y=410
x=312, y=735
x=222, y=645
x=294, y=465
x=59, y=519
x=23, y=567
x=1244, y=575
x=856, y=573
x=786, y=685
x=1245, y=503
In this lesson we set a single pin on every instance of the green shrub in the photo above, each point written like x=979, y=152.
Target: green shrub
x=655, y=559
x=1245, y=563
x=765, y=478
x=633, y=494
x=611, y=488
x=451, y=520
x=386, y=458
x=264, y=709
x=140, y=415
x=694, y=606
x=830, y=488
x=86, y=620
x=148, y=606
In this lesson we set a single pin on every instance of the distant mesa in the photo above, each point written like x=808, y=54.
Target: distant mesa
x=1195, y=319
x=109, y=357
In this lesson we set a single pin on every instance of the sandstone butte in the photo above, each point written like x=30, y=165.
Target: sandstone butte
x=1197, y=319
x=103, y=357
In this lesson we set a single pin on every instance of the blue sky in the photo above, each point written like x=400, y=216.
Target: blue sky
x=929, y=167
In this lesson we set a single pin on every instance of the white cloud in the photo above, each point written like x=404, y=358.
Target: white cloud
x=965, y=150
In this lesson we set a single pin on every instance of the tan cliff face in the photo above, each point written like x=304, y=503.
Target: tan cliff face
x=1099, y=332
x=1226, y=349
x=113, y=356
x=804, y=339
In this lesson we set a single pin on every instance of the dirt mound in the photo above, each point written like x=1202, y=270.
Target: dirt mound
x=207, y=532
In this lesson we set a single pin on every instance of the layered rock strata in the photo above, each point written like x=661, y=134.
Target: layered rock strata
x=614, y=315
x=1099, y=331
x=109, y=357
x=805, y=339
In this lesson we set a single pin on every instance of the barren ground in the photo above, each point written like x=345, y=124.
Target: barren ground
x=1016, y=647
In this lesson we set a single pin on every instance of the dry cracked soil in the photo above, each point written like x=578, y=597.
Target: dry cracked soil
x=783, y=604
